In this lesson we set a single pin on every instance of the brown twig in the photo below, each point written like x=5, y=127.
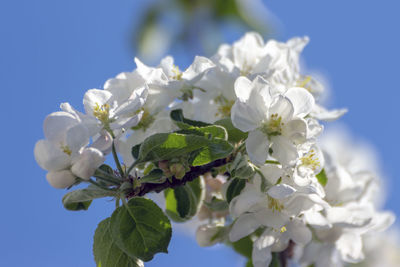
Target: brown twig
x=189, y=176
x=287, y=254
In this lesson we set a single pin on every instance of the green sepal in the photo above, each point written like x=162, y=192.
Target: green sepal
x=322, y=178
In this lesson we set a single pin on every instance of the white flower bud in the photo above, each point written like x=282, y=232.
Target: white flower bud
x=60, y=179
x=87, y=163
x=206, y=235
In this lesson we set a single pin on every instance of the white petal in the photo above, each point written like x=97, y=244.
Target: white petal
x=94, y=97
x=295, y=130
x=151, y=75
x=244, y=202
x=124, y=85
x=350, y=247
x=272, y=218
x=257, y=146
x=284, y=150
x=281, y=191
x=243, y=88
x=60, y=179
x=321, y=113
x=244, y=225
x=195, y=71
x=282, y=107
x=298, y=232
x=205, y=233
x=261, y=254
x=56, y=124
x=303, y=102
x=50, y=157
x=245, y=117
x=77, y=137
x=87, y=163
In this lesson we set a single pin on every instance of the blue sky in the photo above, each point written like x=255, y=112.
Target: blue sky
x=51, y=51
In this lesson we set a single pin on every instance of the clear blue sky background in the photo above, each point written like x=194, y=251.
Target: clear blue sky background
x=51, y=51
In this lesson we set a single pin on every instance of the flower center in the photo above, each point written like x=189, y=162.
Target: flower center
x=177, y=73
x=66, y=149
x=224, y=106
x=102, y=113
x=273, y=126
x=275, y=205
x=310, y=160
x=303, y=83
x=146, y=121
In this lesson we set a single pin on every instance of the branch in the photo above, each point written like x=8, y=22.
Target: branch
x=189, y=176
x=287, y=254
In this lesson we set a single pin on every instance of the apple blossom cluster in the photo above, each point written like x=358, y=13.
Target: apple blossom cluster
x=233, y=139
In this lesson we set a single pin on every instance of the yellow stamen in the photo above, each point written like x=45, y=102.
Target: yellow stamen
x=66, y=150
x=275, y=205
x=224, y=106
x=146, y=121
x=273, y=126
x=102, y=113
x=304, y=83
x=283, y=229
x=310, y=160
x=177, y=72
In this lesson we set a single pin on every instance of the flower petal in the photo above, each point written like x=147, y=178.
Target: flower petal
x=86, y=164
x=244, y=225
x=56, y=124
x=244, y=117
x=284, y=150
x=94, y=97
x=257, y=145
x=50, y=157
x=282, y=107
x=302, y=100
x=281, y=191
x=60, y=179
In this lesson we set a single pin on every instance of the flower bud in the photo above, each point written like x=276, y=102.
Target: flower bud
x=61, y=179
x=178, y=170
x=207, y=235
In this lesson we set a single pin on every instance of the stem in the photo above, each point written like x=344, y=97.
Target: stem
x=99, y=185
x=117, y=203
x=272, y=162
x=264, y=182
x=113, y=181
x=131, y=167
x=173, y=182
x=116, y=159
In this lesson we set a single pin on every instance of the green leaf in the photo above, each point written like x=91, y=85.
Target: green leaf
x=217, y=204
x=183, y=202
x=322, y=178
x=211, y=131
x=165, y=146
x=107, y=169
x=234, y=135
x=107, y=253
x=249, y=263
x=215, y=149
x=141, y=229
x=234, y=188
x=135, y=151
x=241, y=167
x=244, y=246
x=82, y=198
x=177, y=116
x=154, y=177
